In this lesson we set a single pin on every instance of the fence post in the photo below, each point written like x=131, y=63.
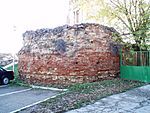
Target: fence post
x=121, y=57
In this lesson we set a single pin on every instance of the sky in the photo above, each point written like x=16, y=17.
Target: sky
x=17, y=16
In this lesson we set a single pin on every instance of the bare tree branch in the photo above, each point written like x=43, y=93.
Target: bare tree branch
x=135, y=14
x=118, y=6
x=125, y=34
x=123, y=22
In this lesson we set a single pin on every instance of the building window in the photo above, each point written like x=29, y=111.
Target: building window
x=76, y=16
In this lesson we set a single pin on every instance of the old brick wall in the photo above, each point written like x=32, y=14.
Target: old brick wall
x=68, y=54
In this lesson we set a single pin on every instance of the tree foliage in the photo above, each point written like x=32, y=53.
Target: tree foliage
x=135, y=16
x=132, y=18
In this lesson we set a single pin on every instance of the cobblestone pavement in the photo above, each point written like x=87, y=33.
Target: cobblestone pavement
x=133, y=101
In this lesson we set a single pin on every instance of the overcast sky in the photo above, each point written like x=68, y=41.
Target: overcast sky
x=28, y=15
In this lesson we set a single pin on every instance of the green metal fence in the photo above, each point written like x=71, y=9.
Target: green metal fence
x=135, y=65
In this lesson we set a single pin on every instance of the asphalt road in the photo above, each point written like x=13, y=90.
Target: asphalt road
x=13, y=98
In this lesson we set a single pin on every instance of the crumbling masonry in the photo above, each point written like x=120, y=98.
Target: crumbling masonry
x=68, y=54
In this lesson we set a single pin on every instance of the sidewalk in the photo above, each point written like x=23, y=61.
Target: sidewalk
x=132, y=101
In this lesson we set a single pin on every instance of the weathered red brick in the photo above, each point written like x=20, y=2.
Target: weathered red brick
x=87, y=57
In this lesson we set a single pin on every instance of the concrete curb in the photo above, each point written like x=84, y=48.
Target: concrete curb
x=48, y=88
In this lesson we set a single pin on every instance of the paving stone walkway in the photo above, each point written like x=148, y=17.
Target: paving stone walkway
x=133, y=101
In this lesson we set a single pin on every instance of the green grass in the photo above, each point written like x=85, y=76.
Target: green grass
x=16, y=80
x=15, y=70
x=79, y=95
x=90, y=87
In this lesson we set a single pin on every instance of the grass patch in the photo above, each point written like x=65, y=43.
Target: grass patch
x=15, y=70
x=16, y=80
x=80, y=95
